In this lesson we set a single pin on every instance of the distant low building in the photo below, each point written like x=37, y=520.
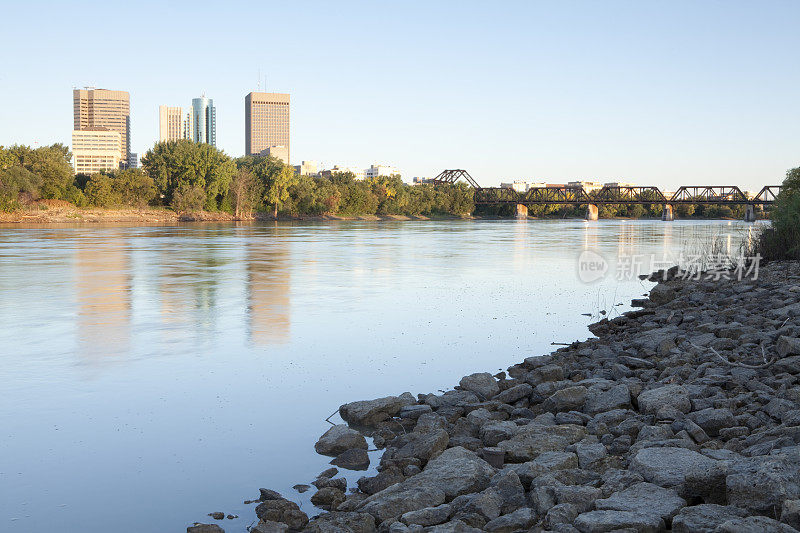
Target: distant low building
x=618, y=184
x=278, y=152
x=420, y=180
x=336, y=169
x=588, y=186
x=523, y=186
x=306, y=168
x=95, y=150
x=380, y=170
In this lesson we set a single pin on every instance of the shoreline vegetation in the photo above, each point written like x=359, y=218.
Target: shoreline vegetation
x=187, y=181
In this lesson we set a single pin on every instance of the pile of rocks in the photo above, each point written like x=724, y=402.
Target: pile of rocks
x=672, y=419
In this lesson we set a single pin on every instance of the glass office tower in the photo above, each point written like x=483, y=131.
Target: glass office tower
x=204, y=121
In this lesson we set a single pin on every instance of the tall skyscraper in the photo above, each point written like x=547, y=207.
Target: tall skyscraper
x=266, y=122
x=95, y=150
x=102, y=108
x=204, y=121
x=171, y=124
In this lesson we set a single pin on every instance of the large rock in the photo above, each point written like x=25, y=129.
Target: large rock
x=454, y=526
x=669, y=395
x=339, y=439
x=340, y=522
x=455, y=472
x=644, y=498
x=283, y=511
x=704, y=518
x=482, y=384
x=204, y=528
x=535, y=439
x=514, y=394
x=354, y=459
x=763, y=483
x=618, y=397
x=787, y=346
x=429, y=516
x=424, y=446
x=602, y=521
x=520, y=520
x=713, y=420
x=669, y=467
x=268, y=526
x=754, y=524
x=568, y=399
x=662, y=294
x=370, y=412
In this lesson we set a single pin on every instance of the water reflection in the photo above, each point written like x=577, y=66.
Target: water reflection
x=268, y=289
x=103, y=290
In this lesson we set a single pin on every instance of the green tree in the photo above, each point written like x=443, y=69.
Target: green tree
x=187, y=166
x=245, y=193
x=135, y=187
x=274, y=177
x=101, y=191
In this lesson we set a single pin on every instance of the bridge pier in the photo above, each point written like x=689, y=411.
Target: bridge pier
x=750, y=213
x=591, y=212
x=522, y=211
x=666, y=213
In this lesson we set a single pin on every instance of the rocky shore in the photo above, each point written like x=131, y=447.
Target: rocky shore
x=681, y=416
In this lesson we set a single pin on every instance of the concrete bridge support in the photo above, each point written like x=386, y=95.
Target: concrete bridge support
x=750, y=213
x=666, y=213
x=522, y=211
x=591, y=212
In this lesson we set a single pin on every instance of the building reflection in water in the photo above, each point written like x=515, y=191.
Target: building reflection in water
x=103, y=290
x=268, y=285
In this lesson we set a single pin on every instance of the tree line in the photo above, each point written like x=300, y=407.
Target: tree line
x=189, y=177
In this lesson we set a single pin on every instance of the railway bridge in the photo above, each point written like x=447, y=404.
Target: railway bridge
x=614, y=195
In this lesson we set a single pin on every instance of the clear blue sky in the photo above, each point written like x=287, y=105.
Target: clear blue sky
x=662, y=93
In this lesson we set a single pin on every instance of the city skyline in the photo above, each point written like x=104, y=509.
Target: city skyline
x=631, y=92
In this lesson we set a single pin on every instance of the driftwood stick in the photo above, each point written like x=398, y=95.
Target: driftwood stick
x=727, y=361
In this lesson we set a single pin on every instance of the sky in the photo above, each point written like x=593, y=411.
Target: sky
x=656, y=93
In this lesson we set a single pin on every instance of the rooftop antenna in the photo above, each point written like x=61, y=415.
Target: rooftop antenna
x=259, y=79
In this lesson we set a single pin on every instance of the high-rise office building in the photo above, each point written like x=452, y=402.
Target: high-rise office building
x=204, y=121
x=171, y=124
x=102, y=108
x=95, y=150
x=266, y=122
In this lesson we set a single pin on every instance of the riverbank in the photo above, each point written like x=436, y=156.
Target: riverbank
x=60, y=212
x=683, y=415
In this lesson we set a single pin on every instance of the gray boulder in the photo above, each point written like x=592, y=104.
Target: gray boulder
x=669, y=395
x=482, y=384
x=268, y=526
x=370, y=412
x=762, y=483
x=355, y=459
x=787, y=346
x=456, y=471
x=204, y=528
x=338, y=439
x=704, y=518
x=790, y=513
x=618, y=397
x=514, y=394
x=567, y=399
x=429, y=516
x=713, y=420
x=535, y=439
x=668, y=467
x=454, y=526
x=754, y=524
x=283, y=511
x=602, y=521
x=520, y=520
x=644, y=498
x=340, y=522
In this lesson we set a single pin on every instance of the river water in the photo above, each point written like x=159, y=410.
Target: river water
x=151, y=375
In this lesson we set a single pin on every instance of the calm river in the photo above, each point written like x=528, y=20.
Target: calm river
x=151, y=375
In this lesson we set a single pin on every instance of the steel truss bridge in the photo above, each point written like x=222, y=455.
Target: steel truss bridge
x=566, y=195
